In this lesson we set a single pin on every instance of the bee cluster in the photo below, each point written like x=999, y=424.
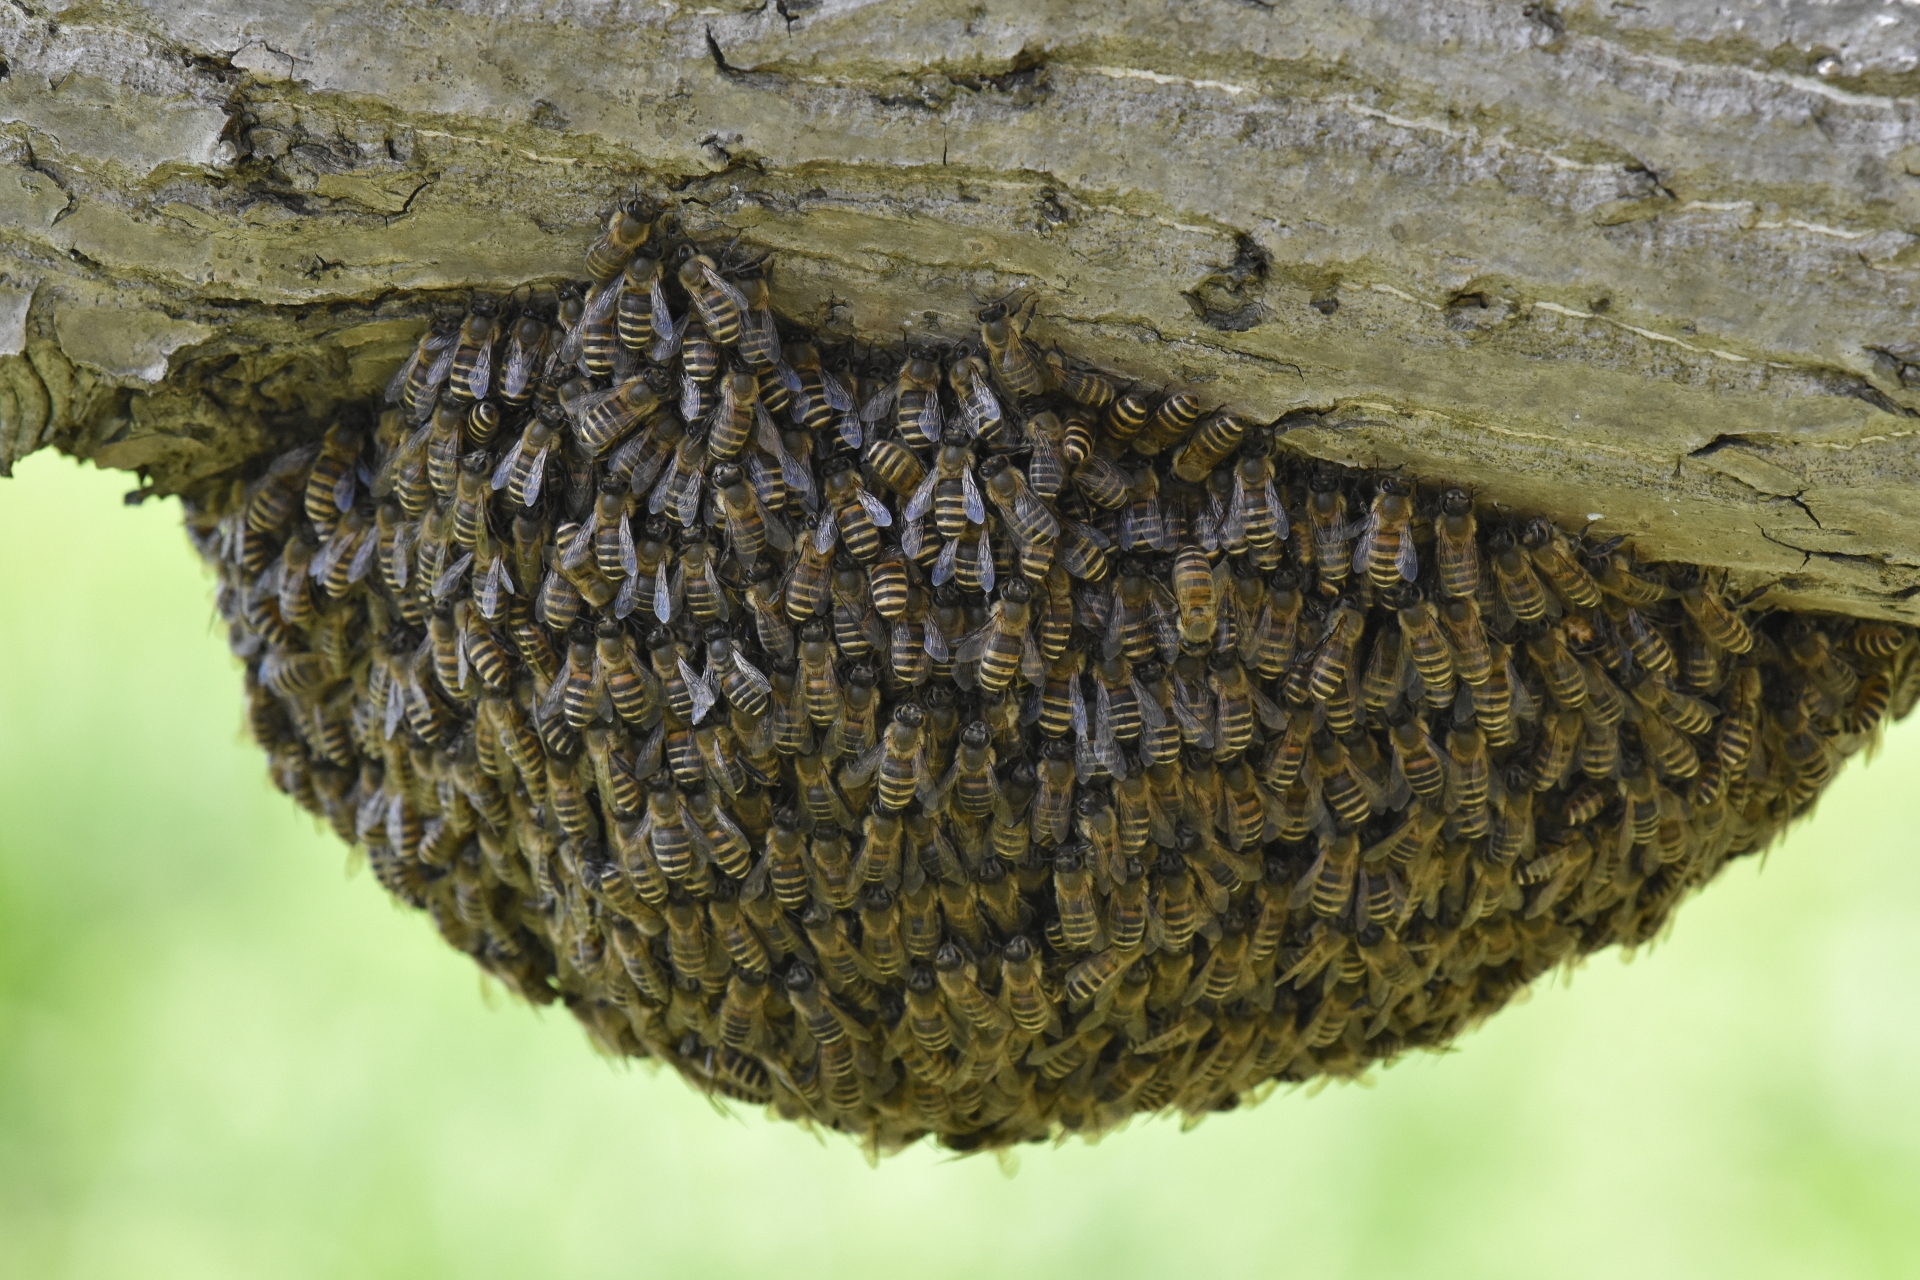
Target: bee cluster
x=965, y=742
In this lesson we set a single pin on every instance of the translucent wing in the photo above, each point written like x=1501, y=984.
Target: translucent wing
x=726, y=288
x=1233, y=530
x=697, y=686
x=838, y=397
x=1363, y=549
x=851, y=433
x=517, y=370
x=666, y=342
x=970, y=494
x=1077, y=707
x=400, y=563
x=582, y=544
x=536, y=476
x=912, y=539
x=662, y=595
x=935, y=641
x=879, y=404
x=876, y=509
x=657, y=299
x=629, y=598
x=922, y=500
x=363, y=556
x=343, y=493
x=825, y=533
x=504, y=472
x=1033, y=514
x=689, y=509
x=1407, y=560
x=444, y=585
x=932, y=422
x=751, y=674
x=1277, y=512
x=397, y=384
x=943, y=567
x=985, y=561
x=629, y=557
x=481, y=377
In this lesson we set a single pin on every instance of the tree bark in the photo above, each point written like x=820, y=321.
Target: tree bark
x=1647, y=266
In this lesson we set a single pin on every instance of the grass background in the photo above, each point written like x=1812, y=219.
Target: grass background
x=221, y=1056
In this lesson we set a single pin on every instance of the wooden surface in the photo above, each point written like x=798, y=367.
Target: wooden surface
x=1648, y=266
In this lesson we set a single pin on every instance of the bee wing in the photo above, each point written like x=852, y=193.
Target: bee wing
x=922, y=500
x=1191, y=719
x=343, y=493
x=663, y=593
x=536, y=476
x=363, y=556
x=1407, y=561
x=517, y=369
x=396, y=708
x=1032, y=514
x=779, y=537
x=444, y=585
x=667, y=337
x=688, y=508
x=582, y=544
x=878, y=405
x=504, y=471
x=912, y=539
x=876, y=510
x=1153, y=716
x=1077, y=707
x=935, y=642
x=752, y=674
x=1277, y=512
x=1033, y=664
x=970, y=493
x=480, y=379
x=663, y=490
x=985, y=562
x=1271, y=714
x=657, y=307
x=400, y=562
x=1363, y=549
x=852, y=434
x=397, y=384
x=839, y=399
x=727, y=288
x=861, y=767
x=974, y=643
x=943, y=567
x=697, y=686
x=826, y=532
x=932, y=421
x=629, y=598
x=629, y=557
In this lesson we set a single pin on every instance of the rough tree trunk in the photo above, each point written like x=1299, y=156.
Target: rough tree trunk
x=1649, y=265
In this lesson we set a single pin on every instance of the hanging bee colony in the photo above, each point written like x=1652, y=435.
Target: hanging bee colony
x=967, y=742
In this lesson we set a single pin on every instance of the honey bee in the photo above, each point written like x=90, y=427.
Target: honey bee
x=853, y=516
x=522, y=469
x=526, y=350
x=1385, y=549
x=1513, y=573
x=627, y=229
x=416, y=386
x=1720, y=625
x=1456, y=545
x=602, y=419
x=750, y=529
x=1172, y=418
x=1327, y=517
x=471, y=376
x=1027, y=519
x=1009, y=354
x=1555, y=558
x=914, y=399
x=896, y=466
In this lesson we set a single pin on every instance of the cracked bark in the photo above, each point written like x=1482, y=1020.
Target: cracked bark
x=1647, y=267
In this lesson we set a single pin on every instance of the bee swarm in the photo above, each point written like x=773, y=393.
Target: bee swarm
x=965, y=742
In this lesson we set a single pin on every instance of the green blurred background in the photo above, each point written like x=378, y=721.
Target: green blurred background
x=220, y=1055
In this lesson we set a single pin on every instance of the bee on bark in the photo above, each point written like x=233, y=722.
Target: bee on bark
x=1514, y=575
x=1385, y=549
x=914, y=399
x=627, y=229
x=417, y=385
